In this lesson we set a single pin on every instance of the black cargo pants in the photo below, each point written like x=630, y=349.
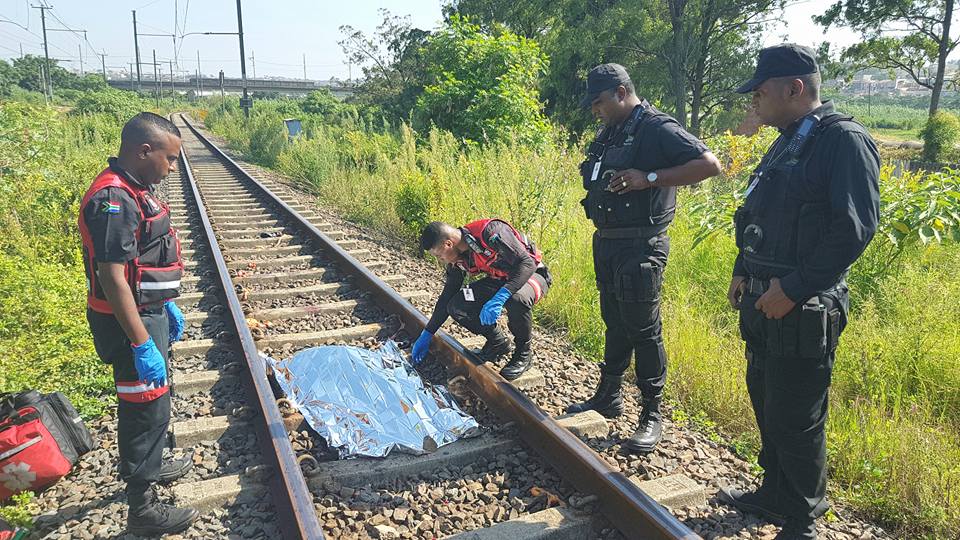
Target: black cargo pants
x=519, y=307
x=629, y=276
x=143, y=412
x=789, y=367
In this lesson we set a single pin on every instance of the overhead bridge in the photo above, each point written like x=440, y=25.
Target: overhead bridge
x=211, y=86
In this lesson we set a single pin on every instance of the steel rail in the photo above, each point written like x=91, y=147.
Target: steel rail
x=292, y=499
x=633, y=512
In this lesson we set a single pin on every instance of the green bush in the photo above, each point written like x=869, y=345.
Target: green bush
x=483, y=86
x=415, y=203
x=267, y=138
x=18, y=510
x=46, y=163
x=940, y=136
x=119, y=104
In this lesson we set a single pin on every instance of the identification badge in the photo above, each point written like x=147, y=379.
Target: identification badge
x=596, y=171
x=468, y=294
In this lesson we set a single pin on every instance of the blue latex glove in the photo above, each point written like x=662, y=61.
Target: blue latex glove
x=176, y=322
x=491, y=310
x=420, y=347
x=149, y=363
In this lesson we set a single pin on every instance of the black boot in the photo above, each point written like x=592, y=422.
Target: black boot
x=797, y=529
x=496, y=346
x=173, y=469
x=147, y=516
x=759, y=503
x=648, y=433
x=607, y=400
x=521, y=361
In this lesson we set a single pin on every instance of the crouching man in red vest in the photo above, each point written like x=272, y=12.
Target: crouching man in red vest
x=516, y=278
x=132, y=261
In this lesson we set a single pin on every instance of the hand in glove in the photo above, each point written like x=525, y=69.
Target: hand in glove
x=149, y=363
x=420, y=347
x=491, y=310
x=176, y=322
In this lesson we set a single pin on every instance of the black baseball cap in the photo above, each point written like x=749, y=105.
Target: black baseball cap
x=783, y=60
x=602, y=78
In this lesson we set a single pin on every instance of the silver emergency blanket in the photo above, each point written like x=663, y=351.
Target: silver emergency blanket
x=367, y=403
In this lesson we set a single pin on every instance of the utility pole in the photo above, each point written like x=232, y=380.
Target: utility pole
x=199, y=73
x=130, y=73
x=43, y=83
x=80, y=49
x=156, y=79
x=304, y=67
x=46, y=52
x=173, y=84
x=136, y=48
x=21, y=50
x=103, y=65
x=253, y=63
x=223, y=98
x=245, y=102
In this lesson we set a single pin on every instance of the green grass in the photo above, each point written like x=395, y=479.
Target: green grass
x=894, y=134
x=895, y=417
x=47, y=160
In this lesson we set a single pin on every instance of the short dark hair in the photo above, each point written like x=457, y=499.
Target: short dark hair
x=145, y=128
x=434, y=233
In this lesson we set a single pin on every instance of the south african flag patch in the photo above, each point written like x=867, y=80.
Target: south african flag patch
x=110, y=207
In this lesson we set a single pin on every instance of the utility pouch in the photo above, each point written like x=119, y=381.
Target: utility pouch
x=739, y=223
x=805, y=332
x=638, y=280
x=833, y=328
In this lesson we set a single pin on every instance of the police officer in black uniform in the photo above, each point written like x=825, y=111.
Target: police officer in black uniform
x=633, y=167
x=810, y=210
x=132, y=262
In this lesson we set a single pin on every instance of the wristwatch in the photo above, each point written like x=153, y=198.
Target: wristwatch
x=652, y=177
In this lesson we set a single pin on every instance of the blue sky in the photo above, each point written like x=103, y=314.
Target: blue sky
x=277, y=33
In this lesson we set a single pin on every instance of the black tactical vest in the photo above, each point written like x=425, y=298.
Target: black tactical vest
x=614, y=150
x=781, y=222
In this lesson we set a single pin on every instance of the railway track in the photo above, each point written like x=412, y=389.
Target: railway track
x=266, y=274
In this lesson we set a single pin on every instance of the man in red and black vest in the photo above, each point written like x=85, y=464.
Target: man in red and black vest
x=132, y=261
x=516, y=278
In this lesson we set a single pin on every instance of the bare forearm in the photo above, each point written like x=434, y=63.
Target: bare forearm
x=121, y=301
x=691, y=172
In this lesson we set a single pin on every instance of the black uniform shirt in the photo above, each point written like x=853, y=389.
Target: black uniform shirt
x=663, y=144
x=512, y=257
x=112, y=217
x=845, y=166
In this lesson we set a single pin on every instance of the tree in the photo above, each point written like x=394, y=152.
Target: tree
x=321, y=102
x=482, y=87
x=708, y=48
x=689, y=54
x=907, y=35
x=392, y=66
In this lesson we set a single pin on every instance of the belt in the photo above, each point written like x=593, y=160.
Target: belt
x=756, y=286
x=633, y=232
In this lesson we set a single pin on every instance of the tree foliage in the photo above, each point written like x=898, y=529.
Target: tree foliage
x=687, y=55
x=482, y=86
x=392, y=65
x=909, y=35
x=940, y=136
x=25, y=73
